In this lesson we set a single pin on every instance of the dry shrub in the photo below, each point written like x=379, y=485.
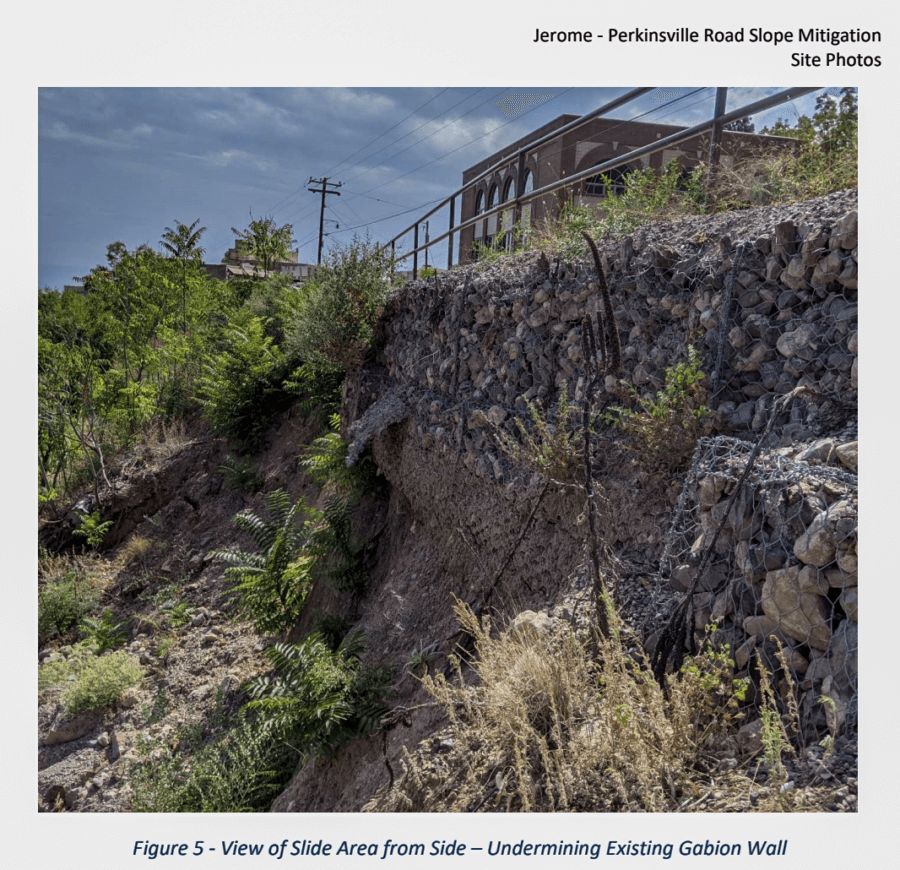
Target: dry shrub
x=136, y=547
x=554, y=724
x=551, y=449
x=167, y=439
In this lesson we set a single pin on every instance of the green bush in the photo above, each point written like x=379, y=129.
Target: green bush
x=335, y=321
x=552, y=449
x=325, y=462
x=101, y=681
x=102, y=633
x=241, y=473
x=62, y=604
x=321, y=699
x=666, y=425
x=241, y=388
x=270, y=587
x=92, y=529
x=239, y=771
x=341, y=557
x=57, y=673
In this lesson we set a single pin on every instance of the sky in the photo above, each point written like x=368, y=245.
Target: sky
x=123, y=164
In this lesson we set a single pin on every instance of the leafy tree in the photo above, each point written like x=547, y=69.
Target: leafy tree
x=339, y=309
x=240, y=389
x=264, y=242
x=183, y=244
x=828, y=153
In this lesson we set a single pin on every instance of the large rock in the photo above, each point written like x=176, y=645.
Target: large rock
x=848, y=454
x=797, y=612
x=66, y=729
x=795, y=274
x=846, y=231
x=789, y=344
x=844, y=659
x=818, y=544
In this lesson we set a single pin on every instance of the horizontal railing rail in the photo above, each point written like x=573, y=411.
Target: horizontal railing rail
x=714, y=124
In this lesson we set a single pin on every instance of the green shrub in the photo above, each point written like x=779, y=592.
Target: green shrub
x=331, y=628
x=321, y=699
x=270, y=587
x=549, y=448
x=101, y=681
x=241, y=473
x=341, y=558
x=325, y=462
x=667, y=425
x=241, y=770
x=92, y=529
x=240, y=390
x=334, y=325
x=62, y=604
x=57, y=673
x=320, y=391
x=101, y=633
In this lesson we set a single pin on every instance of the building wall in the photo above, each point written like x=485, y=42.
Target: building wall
x=590, y=145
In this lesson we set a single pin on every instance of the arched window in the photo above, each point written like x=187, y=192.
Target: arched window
x=526, y=207
x=509, y=215
x=492, y=223
x=612, y=181
x=479, y=208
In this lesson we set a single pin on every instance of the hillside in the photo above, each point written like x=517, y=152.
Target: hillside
x=728, y=500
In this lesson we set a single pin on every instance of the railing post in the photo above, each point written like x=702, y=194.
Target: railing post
x=450, y=240
x=416, y=254
x=715, y=139
x=393, y=260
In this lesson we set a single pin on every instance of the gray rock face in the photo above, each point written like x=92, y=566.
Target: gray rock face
x=798, y=613
x=66, y=729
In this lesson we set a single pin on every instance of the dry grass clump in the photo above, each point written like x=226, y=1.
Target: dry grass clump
x=550, y=449
x=166, y=439
x=554, y=724
x=136, y=547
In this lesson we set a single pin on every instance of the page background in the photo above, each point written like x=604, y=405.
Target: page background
x=409, y=44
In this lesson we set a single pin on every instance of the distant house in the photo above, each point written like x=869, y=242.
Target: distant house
x=590, y=145
x=234, y=265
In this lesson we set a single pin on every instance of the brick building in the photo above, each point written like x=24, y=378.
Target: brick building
x=590, y=145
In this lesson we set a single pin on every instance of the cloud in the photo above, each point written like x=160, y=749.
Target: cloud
x=118, y=139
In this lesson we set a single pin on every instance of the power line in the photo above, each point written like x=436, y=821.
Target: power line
x=466, y=144
x=642, y=115
x=291, y=196
x=419, y=109
x=440, y=130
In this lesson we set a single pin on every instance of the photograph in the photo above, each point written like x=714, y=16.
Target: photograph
x=448, y=450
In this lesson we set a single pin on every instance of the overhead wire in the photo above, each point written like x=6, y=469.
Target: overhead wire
x=280, y=204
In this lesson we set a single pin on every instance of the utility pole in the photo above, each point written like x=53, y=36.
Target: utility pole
x=324, y=190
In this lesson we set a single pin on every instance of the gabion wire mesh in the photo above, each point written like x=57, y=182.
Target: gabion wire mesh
x=773, y=561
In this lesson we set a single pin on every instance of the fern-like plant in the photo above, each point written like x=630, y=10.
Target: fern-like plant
x=92, y=529
x=325, y=461
x=241, y=473
x=319, y=699
x=342, y=557
x=102, y=633
x=271, y=586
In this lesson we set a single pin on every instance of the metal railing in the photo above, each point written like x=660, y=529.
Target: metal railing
x=715, y=124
